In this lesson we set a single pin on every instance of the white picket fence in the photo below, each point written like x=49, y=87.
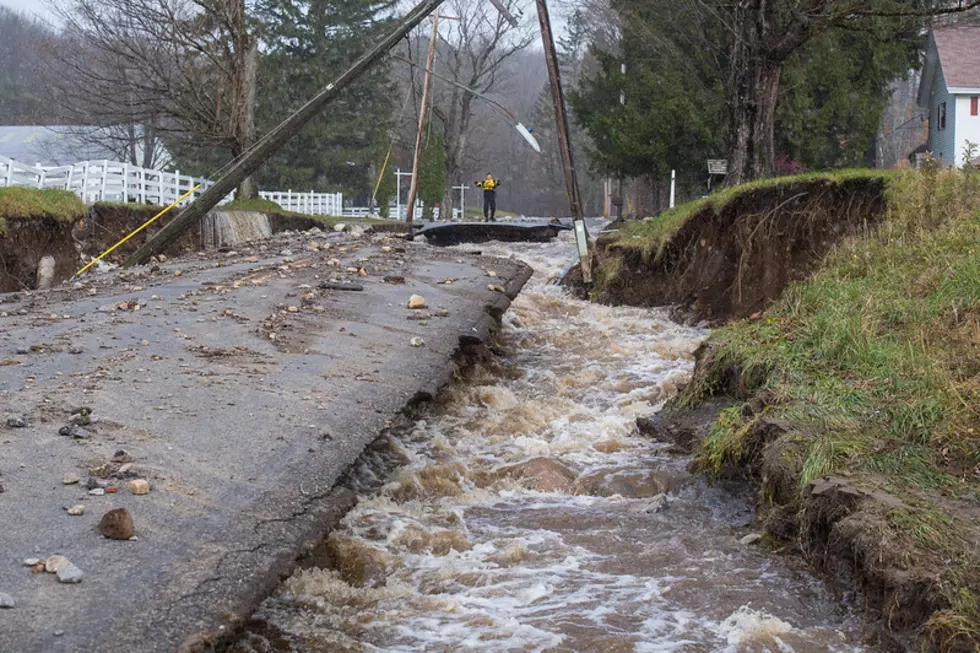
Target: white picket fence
x=113, y=181
x=308, y=203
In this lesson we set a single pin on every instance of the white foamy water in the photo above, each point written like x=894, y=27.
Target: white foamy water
x=524, y=513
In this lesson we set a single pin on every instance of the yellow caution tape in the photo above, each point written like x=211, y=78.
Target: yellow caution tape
x=141, y=228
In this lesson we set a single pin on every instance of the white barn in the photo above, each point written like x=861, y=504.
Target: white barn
x=950, y=91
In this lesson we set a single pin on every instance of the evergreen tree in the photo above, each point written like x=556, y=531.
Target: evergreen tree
x=432, y=173
x=808, y=77
x=309, y=44
x=677, y=115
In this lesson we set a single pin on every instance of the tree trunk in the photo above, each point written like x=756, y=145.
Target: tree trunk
x=753, y=90
x=455, y=134
x=244, y=93
x=752, y=108
x=449, y=198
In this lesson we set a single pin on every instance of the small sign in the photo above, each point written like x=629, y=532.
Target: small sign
x=717, y=166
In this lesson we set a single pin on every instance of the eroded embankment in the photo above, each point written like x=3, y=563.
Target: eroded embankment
x=732, y=255
x=70, y=235
x=851, y=402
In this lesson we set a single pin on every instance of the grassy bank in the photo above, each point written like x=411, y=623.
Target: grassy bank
x=733, y=253
x=650, y=235
x=18, y=202
x=870, y=372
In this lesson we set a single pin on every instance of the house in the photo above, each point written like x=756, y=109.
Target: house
x=950, y=91
x=50, y=146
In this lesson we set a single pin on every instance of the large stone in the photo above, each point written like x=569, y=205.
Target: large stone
x=630, y=484
x=139, y=486
x=55, y=563
x=542, y=474
x=416, y=302
x=17, y=422
x=117, y=524
x=70, y=575
x=6, y=601
x=45, y=273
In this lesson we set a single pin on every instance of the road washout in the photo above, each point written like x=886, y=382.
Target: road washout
x=239, y=385
x=524, y=511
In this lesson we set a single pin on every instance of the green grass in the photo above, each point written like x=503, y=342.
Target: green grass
x=18, y=202
x=874, y=363
x=257, y=204
x=650, y=235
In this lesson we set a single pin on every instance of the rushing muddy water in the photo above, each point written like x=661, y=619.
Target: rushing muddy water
x=524, y=513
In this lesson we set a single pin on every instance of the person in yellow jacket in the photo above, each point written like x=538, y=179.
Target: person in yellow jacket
x=489, y=186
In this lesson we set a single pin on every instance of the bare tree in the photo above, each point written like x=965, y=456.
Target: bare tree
x=151, y=68
x=473, y=49
x=19, y=101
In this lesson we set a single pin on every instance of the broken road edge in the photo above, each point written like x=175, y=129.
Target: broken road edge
x=323, y=512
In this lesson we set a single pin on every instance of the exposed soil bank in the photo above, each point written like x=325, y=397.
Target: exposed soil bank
x=850, y=401
x=26, y=240
x=733, y=258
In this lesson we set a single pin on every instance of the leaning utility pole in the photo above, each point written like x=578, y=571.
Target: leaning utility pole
x=564, y=142
x=423, y=111
x=275, y=139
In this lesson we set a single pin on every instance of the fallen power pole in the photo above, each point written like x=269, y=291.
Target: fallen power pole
x=276, y=138
x=413, y=188
x=564, y=142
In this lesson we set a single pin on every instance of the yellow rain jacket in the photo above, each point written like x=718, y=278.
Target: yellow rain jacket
x=488, y=184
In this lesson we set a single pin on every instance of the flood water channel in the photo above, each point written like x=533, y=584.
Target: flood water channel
x=523, y=512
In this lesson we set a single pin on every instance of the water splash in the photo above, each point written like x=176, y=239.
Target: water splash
x=524, y=513
x=224, y=228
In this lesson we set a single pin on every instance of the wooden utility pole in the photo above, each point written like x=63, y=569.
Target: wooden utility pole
x=564, y=141
x=423, y=112
x=275, y=139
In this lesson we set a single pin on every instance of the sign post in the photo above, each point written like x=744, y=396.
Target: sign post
x=462, y=201
x=716, y=167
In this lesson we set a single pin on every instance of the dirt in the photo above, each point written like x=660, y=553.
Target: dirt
x=27, y=240
x=733, y=262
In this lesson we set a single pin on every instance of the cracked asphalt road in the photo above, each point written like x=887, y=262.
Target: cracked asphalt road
x=241, y=390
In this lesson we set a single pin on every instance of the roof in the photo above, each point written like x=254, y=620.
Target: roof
x=953, y=53
x=959, y=56
x=50, y=146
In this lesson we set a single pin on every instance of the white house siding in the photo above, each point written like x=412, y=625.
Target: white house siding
x=942, y=144
x=967, y=127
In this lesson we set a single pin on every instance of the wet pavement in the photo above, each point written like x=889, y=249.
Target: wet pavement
x=240, y=385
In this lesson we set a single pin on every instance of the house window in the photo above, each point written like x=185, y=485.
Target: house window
x=941, y=118
x=975, y=105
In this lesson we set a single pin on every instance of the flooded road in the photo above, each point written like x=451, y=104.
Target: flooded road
x=522, y=512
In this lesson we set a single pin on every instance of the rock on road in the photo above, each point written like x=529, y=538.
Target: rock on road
x=235, y=388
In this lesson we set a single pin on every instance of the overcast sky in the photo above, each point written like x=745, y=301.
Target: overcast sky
x=38, y=7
